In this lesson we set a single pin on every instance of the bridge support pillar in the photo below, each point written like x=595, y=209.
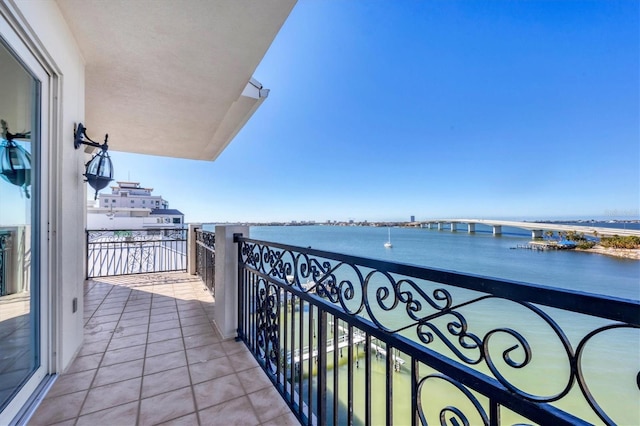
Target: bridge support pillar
x=497, y=229
x=471, y=227
x=536, y=233
x=453, y=227
x=440, y=226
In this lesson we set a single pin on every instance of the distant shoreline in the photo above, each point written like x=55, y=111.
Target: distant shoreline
x=621, y=253
x=614, y=252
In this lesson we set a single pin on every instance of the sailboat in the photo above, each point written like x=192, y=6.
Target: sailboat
x=388, y=243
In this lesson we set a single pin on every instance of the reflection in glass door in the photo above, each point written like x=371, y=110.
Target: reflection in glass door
x=19, y=288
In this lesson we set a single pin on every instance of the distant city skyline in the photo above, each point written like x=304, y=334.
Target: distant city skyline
x=383, y=110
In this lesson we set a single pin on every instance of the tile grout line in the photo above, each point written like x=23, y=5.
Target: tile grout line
x=184, y=346
x=144, y=359
x=146, y=347
x=124, y=305
x=77, y=418
x=202, y=309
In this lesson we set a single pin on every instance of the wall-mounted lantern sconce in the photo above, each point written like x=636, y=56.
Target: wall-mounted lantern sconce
x=15, y=161
x=99, y=171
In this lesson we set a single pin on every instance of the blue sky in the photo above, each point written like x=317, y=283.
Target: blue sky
x=384, y=109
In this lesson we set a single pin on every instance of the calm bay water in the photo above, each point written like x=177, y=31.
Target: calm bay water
x=480, y=253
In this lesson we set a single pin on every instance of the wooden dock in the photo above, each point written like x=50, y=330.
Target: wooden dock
x=343, y=342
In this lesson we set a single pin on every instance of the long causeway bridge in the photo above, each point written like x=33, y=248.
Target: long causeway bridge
x=537, y=228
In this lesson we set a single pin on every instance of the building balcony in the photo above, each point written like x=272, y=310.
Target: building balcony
x=255, y=332
x=152, y=356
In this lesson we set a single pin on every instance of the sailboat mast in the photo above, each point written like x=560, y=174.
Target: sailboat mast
x=388, y=243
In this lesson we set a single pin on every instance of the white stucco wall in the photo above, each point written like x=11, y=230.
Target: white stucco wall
x=101, y=221
x=133, y=201
x=130, y=219
x=53, y=42
x=226, y=280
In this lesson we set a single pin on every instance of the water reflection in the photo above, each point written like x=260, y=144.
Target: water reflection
x=18, y=319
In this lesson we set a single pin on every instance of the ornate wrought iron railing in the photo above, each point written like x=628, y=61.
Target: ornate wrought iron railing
x=206, y=258
x=140, y=251
x=353, y=340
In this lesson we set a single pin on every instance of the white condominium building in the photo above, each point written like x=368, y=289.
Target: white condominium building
x=131, y=195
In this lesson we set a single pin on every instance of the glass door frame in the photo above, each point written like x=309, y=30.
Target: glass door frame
x=14, y=39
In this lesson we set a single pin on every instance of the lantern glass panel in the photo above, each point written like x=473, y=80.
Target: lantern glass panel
x=99, y=171
x=15, y=164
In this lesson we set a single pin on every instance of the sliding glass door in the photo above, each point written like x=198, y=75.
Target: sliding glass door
x=21, y=214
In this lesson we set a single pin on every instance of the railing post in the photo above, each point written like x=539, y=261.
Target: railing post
x=322, y=367
x=240, y=331
x=191, y=247
x=5, y=259
x=86, y=247
x=415, y=378
x=204, y=268
x=226, y=279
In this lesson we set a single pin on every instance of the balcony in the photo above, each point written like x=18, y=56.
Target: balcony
x=297, y=335
x=151, y=355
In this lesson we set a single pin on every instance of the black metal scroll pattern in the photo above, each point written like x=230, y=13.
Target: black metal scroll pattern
x=268, y=261
x=450, y=414
x=267, y=339
x=199, y=260
x=108, y=236
x=307, y=273
x=140, y=257
x=175, y=234
x=363, y=293
x=211, y=271
x=97, y=237
x=139, y=247
x=582, y=382
x=206, y=258
x=207, y=238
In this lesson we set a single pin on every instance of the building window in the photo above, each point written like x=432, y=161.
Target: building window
x=176, y=220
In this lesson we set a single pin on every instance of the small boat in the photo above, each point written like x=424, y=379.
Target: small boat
x=388, y=243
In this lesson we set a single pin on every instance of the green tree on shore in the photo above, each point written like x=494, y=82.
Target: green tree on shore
x=627, y=242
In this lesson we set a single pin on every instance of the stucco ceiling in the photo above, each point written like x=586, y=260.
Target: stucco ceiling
x=165, y=77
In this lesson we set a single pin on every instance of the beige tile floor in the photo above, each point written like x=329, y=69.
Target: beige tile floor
x=152, y=356
x=16, y=351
